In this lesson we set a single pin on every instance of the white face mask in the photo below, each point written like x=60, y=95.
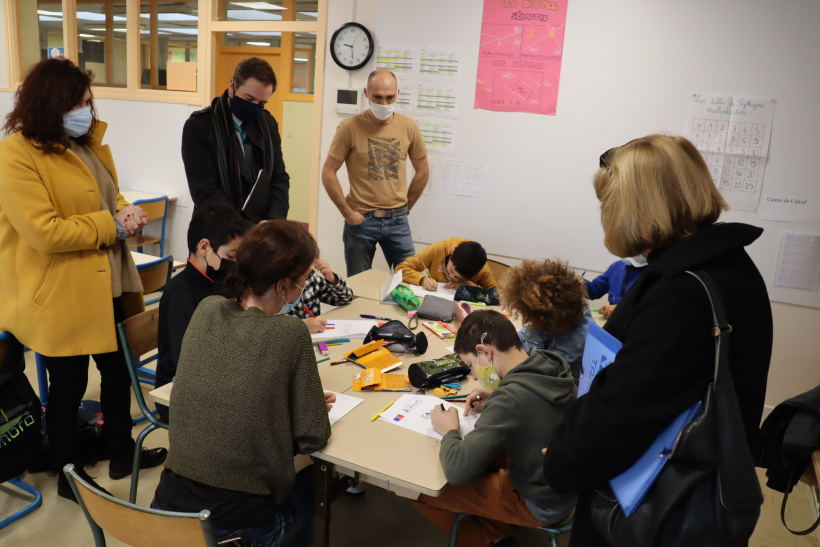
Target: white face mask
x=77, y=122
x=638, y=261
x=382, y=111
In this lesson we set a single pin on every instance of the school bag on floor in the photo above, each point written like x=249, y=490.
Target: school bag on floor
x=784, y=447
x=20, y=413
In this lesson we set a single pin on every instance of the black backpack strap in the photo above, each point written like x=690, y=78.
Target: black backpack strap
x=808, y=530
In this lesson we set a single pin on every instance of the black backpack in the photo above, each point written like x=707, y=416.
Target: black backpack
x=784, y=447
x=21, y=440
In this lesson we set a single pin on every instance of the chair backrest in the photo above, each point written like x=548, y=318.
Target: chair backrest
x=498, y=269
x=154, y=208
x=154, y=275
x=138, y=334
x=137, y=525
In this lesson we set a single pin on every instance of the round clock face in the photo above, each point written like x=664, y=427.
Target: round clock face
x=351, y=46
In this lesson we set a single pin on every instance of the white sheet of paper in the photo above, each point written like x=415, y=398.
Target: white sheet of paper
x=441, y=292
x=343, y=405
x=464, y=178
x=393, y=281
x=798, y=265
x=786, y=208
x=345, y=328
x=412, y=411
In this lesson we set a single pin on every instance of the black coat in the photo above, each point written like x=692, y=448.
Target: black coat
x=666, y=363
x=199, y=157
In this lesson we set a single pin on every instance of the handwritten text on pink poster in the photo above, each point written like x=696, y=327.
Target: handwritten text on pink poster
x=519, y=62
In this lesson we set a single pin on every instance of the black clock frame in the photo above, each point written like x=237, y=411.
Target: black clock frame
x=369, y=51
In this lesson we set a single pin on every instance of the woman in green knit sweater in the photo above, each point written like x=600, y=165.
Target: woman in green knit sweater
x=247, y=398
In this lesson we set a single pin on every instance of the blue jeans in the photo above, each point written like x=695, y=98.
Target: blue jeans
x=392, y=234
x=291, y=525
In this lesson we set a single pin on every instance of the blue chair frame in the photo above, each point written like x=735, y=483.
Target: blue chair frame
x=161, y=241
x=150, y=317
x=154, y=264
x=553, y=531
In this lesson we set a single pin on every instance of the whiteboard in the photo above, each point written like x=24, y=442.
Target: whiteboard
x=629, y=69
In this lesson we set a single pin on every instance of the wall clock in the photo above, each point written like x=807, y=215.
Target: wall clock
x=351, y=46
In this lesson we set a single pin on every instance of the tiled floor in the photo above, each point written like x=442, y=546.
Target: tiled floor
x=378, y=518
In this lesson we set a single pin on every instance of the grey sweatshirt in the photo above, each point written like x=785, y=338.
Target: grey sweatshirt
x=518, y=417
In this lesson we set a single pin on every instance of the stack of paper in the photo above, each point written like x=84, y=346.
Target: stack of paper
x=345, y=328
x=343, y=405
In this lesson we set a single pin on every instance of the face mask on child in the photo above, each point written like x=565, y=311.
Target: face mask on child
x=285, y=309
x=638, y=261
x=487, y=376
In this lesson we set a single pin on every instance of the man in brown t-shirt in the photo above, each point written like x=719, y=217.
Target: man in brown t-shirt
x=375, y=146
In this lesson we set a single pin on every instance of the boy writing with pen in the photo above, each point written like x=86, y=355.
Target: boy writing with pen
x=322, y=285
x=522, y=400
x=454, y=261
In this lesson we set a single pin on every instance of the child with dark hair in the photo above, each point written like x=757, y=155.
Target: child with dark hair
x=516, y=420
x=214, y=234
x=455, y=261
x=551, y=301
x=323, y=285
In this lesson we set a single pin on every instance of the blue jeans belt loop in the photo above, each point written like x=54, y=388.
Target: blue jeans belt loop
x=388, y=213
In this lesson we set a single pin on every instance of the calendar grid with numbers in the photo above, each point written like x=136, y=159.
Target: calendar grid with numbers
x=732, y=134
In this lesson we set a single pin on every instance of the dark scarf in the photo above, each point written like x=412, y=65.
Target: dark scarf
x=228, y=153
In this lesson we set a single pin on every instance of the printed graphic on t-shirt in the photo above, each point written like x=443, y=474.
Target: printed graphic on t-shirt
x=383, y=158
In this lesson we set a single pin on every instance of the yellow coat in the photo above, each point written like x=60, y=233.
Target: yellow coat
x=55, y=277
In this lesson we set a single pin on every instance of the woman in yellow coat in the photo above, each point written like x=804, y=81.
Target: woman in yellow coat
x=64, y=265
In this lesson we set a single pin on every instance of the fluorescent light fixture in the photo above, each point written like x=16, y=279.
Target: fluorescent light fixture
x=258, y=43
x=310, y=13
x=53, y=13
x=87, y=35
x=258, y=5
x=298, y=59
x=252, y=35
x=171, y=16
x=49, y=18
x=192, y=31
x=252, y=15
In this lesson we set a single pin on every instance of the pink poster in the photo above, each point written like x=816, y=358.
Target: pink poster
x=519, y=61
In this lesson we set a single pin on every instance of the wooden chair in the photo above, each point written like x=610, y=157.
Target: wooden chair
x=38, y=497
x=498, y=269
x=137, y=525
x=155, y=208
x=137, y=336
x=154, y=275
x=554, y=531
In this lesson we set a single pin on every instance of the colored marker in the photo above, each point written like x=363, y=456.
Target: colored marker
x=307, y=310
x=382, y=410
x=594, y=309
x=322, y=348
x=365, y=316
x=480, y=304
x=323, y=360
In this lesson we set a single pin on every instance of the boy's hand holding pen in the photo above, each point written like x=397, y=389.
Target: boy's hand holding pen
x=475, y=400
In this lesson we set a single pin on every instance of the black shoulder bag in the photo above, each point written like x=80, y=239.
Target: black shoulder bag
x=708, y=493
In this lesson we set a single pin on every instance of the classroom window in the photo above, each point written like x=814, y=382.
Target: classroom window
x=272, y=10
x=101, y=41
x=304, y=61
x=40, y=31
x=168, y=32
x=252, y=39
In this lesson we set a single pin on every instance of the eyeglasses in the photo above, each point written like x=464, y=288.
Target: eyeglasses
x=606, y=158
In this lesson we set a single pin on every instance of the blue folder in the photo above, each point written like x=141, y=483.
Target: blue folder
x=631, y=486
x=600, y=349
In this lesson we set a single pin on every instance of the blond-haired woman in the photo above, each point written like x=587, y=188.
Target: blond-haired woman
x=658, y=199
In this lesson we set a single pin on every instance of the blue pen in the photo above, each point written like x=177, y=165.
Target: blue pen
x=375, y=317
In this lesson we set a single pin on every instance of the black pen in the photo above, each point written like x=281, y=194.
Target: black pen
x=442, y=407
x=364, y=316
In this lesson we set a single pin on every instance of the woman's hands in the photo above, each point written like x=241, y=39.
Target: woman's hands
x=330, y=398
x=133, y=218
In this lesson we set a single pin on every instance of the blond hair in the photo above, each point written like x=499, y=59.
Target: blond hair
x=657, y=190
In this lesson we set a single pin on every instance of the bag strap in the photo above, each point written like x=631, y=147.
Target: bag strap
x=808, y=530
x=737, y=492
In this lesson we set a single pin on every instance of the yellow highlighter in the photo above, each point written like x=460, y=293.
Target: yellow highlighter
x=373, y=419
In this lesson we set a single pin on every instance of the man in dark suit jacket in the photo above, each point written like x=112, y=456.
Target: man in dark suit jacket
x=231, y=144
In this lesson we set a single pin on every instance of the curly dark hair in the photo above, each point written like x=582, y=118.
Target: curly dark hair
x=51, y=88
x=547, y=294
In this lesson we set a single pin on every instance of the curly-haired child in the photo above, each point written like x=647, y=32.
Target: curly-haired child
x=551, y=300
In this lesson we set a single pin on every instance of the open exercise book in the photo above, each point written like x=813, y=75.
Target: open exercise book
x=412, y=411
x=345, y=328
x=631, y=486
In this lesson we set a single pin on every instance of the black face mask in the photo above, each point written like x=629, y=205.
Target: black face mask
x=225, y=267
x=245, y=110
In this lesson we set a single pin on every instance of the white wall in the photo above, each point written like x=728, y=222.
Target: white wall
x=626, y=72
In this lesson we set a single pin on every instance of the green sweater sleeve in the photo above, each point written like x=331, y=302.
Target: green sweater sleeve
x=463, y=460
x=309, y=421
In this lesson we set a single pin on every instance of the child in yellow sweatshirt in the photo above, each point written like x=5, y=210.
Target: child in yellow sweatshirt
x=455, y=261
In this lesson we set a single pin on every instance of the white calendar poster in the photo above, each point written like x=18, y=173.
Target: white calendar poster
x=732, y=133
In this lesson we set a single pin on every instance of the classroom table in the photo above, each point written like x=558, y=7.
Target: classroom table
x=368, y=283
x=143, y=258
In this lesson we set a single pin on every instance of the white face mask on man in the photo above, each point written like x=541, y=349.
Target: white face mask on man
x=382, y=111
